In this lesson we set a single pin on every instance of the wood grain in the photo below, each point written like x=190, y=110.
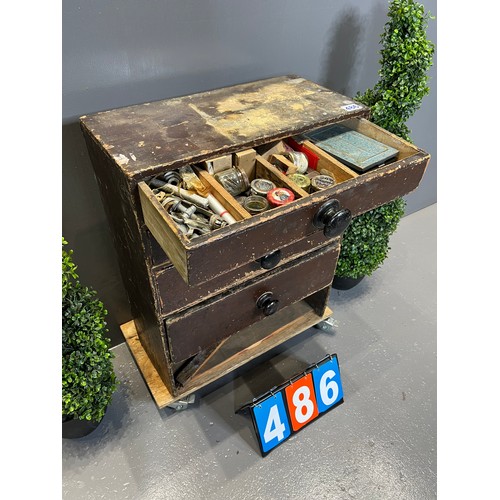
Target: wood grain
x=197, y=363
x=145, y=139
x=268, y=171
x=175, y=295
x=153, y=380
x=246, y=161
x=164, y=229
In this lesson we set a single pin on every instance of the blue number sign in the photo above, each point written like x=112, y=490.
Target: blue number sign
x=327, y=384
x=271, y=422
x=297, y=402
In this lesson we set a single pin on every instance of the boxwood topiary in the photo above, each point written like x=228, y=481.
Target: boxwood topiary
x=366, y=245
x=88, y=379
x=406, y=57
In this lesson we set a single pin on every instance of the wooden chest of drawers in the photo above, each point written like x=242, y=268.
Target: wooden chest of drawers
x=204, y=305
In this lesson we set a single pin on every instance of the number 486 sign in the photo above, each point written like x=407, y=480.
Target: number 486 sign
x=276, y=415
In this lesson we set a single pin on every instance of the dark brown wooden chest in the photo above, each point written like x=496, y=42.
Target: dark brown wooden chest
x=204, y=306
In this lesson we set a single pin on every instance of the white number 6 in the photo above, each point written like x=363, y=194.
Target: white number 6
x=328, y=388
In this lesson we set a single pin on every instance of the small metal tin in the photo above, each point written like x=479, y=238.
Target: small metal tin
x=279, y=196
x=255, y=204
x=321, y=182
x=261, y=187
x=301, y=180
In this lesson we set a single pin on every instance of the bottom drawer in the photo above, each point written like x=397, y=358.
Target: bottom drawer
x=217, y=319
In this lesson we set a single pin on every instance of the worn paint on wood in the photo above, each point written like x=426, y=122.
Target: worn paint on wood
x=174, y=294
x=212, y=321
x=170, y=132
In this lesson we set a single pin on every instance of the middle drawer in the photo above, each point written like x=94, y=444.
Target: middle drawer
x=174, y=295
x=212, y=321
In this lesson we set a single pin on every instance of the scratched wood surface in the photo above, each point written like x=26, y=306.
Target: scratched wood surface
x=170, y=132
x=212, y=321
x=174, y=294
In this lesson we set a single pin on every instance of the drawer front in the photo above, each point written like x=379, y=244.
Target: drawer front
x=205, y=258
x=209, y=256
x=173, y=294
x=219, y=318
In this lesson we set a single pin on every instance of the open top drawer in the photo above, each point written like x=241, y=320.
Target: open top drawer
x=253, y=237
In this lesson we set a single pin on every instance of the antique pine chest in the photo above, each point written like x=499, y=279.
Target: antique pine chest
x=204, y=302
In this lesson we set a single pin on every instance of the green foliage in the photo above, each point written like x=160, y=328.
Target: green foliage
x=406, y=58
x=366, y=245
x=88, y=379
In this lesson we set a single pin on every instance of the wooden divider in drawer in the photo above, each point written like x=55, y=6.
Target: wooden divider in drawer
x=173, y=294
x=208, y=256
x=214, y=320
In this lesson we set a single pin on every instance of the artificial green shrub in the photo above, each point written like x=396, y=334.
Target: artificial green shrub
x=88, y=379
x=366, y=245
x=406, y=57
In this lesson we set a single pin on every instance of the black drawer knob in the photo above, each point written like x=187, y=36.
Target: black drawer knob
x=267, y=303
x=270, y=260
x=332, y=219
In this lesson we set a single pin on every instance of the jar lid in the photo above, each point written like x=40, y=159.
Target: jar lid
x=321, y=182
x=261, y=186
x=301, y=180
x=280, y=196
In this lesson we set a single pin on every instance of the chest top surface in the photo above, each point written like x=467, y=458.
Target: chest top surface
x=146, y=137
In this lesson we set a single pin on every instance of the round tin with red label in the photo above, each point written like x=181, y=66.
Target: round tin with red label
x=279, y=196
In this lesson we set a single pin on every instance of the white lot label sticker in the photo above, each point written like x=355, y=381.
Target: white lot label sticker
x=351, y=107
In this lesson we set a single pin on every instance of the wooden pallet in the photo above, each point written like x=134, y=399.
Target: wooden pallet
x=229, y=354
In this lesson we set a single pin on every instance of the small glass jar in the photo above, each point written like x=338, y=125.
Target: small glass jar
x=255, y=204
x=234, y=180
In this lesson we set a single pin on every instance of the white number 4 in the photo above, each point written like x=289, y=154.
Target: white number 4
x=275, y=428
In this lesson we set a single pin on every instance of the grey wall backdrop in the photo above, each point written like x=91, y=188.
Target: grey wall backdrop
x=122, y=52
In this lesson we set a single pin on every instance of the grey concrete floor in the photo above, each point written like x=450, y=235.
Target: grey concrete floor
x=379, y=444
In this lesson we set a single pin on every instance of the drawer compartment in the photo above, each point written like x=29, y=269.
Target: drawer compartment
x=208, y=256
x=253, y=236
x=173, y=294
x=212, y=321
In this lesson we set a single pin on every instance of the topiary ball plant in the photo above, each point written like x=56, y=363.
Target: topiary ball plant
x=366, y=245
x=406, y=57
x=88, y=379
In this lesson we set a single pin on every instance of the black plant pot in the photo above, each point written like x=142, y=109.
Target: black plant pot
x=74, y=428
x=340, y=283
